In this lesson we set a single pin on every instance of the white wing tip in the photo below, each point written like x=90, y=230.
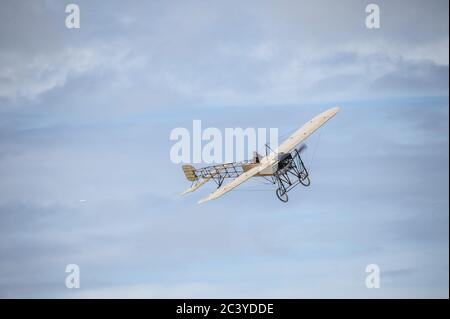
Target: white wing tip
x=335, y=109
x=206, y=199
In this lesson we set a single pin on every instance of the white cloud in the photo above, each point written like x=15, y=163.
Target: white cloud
x=25, y=76
x=204, y=54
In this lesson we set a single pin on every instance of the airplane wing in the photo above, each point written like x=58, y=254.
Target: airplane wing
x=292, y=141
x=196, y=186
x=236, y=182
x=303, y=133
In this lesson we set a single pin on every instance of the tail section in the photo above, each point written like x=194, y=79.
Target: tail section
x=189, y=172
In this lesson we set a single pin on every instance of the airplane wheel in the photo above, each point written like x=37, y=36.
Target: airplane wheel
x=282, y=195
x=306, y=181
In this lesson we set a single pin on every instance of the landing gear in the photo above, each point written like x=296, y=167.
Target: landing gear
x=291, y=172
x=305, y=181
x=282, y=195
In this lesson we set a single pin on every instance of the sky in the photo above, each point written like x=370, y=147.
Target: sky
x=86, y=177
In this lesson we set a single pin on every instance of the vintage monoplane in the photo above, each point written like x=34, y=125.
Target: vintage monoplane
x=283, y=166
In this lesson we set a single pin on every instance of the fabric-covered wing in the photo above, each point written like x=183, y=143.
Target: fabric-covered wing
x=236, y=182
x=196, y=186
x=303, y=133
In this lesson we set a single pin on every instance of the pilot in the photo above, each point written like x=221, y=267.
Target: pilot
x=256, y=157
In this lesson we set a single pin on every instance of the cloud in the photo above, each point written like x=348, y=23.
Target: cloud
x=24, y=76
x=271, y=53
x=423, y=77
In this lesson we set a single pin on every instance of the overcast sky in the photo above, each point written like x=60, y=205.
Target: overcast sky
x=86, y=178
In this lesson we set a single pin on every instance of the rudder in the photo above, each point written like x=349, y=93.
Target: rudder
x=189, y=172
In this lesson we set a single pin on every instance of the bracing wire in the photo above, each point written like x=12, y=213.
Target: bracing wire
x=281, y=138
x=315, y=150
x=259, y=182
